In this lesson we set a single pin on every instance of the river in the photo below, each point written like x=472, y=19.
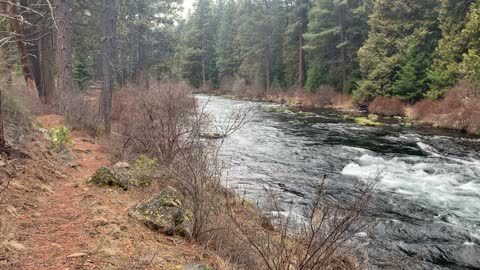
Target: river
x=427, y=209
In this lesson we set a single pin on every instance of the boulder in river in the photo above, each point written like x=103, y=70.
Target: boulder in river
x=106, y=177
x=165, y=213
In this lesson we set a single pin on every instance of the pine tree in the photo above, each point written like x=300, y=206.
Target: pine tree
x=396, y=25
x=469, y=68
x=293, y=53
x=444, y=70
x=199, y=42
x=335, y=32
x=227, y=61
x=409, y=84
x=81, y=71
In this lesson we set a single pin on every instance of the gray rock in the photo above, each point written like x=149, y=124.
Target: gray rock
x=165, y=213
x=121, y=165
x=106, y=177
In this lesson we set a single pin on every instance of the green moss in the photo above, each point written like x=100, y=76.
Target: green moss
x=305, y=114
x=105, y=177
x=143, y=169
x=170, y=201
x=280, y=109
x=373, y=117
x=364, y=121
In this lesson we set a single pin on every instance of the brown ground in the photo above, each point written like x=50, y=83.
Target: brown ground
x=61, y=222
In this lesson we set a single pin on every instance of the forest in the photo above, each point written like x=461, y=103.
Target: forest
x=239, y=134
x=363, y=48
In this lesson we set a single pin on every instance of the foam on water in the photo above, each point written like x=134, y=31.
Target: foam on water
x=450, y=184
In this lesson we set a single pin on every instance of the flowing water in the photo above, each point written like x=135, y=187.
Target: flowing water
x=428, y=205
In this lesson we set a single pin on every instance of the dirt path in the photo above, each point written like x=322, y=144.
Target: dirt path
x=68, y=224
x=58, y=224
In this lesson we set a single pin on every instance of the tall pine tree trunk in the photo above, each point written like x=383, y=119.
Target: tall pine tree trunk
x=300, y=60
x=22, y=50
x=204, y=52
x=108, y=26
x=142, y=79
x=343, y=50
x=46, y=59
x=64, y=49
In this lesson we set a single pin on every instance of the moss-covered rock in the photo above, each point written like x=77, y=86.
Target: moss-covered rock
x=106, y=177
x=165, y=213
x=364, y=121
x=306, y=114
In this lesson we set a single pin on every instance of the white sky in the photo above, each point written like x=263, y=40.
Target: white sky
x=187, y=4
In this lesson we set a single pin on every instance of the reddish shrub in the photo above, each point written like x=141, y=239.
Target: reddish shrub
x=387, y=106
x=120, y=102
x=458, y=110
x=423, y=109
x=324, y=96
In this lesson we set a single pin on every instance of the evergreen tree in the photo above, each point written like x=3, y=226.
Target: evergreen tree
x=199, y=41
x=444, y=71
x=335, y=32
x=410, y=80
x=81, y=70
x=469, y=68
x=227, y=61
x=293, y=53
x=396, y=25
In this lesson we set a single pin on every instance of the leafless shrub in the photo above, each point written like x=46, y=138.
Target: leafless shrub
x=239, y=87
x=81, y=112
x=158, y=122
x=226, y=84
x=458, y=110
x=387, y=106
x=320, y=242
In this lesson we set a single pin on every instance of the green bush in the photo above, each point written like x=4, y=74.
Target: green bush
x=60, y=137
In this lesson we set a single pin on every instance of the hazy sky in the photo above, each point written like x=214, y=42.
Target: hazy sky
x=187, y=4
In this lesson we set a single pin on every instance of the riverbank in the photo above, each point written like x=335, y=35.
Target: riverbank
x=458, y=110
x=60, y=215
x=425, y=212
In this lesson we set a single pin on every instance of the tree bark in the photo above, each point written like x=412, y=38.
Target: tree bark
x=3, y=144
x=63, y=16
x=300, y=60
x=22, y=50
x=343, y=50
x=46, y=59
x=108, y=26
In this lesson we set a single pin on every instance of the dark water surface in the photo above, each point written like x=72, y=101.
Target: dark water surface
x=428, y=206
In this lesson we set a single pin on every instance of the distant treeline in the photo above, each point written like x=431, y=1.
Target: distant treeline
x=368, y=48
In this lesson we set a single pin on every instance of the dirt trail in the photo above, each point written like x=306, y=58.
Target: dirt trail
x=58, y=223
x=68, y=224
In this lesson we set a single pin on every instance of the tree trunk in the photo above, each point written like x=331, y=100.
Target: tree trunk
x=64, y=49
x=343, y=51
x=46, y=59
x=22, y=50
x=142, y=79
x=204, y=52
x=300, y=60
x=3, y=144
x=108, y=27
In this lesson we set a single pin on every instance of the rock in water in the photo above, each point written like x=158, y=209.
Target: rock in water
x=106, y=177
x=165, y=212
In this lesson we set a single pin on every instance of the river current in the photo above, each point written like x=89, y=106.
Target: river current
x=427, y=209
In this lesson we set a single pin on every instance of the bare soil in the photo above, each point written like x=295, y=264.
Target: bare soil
x=59, y=221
